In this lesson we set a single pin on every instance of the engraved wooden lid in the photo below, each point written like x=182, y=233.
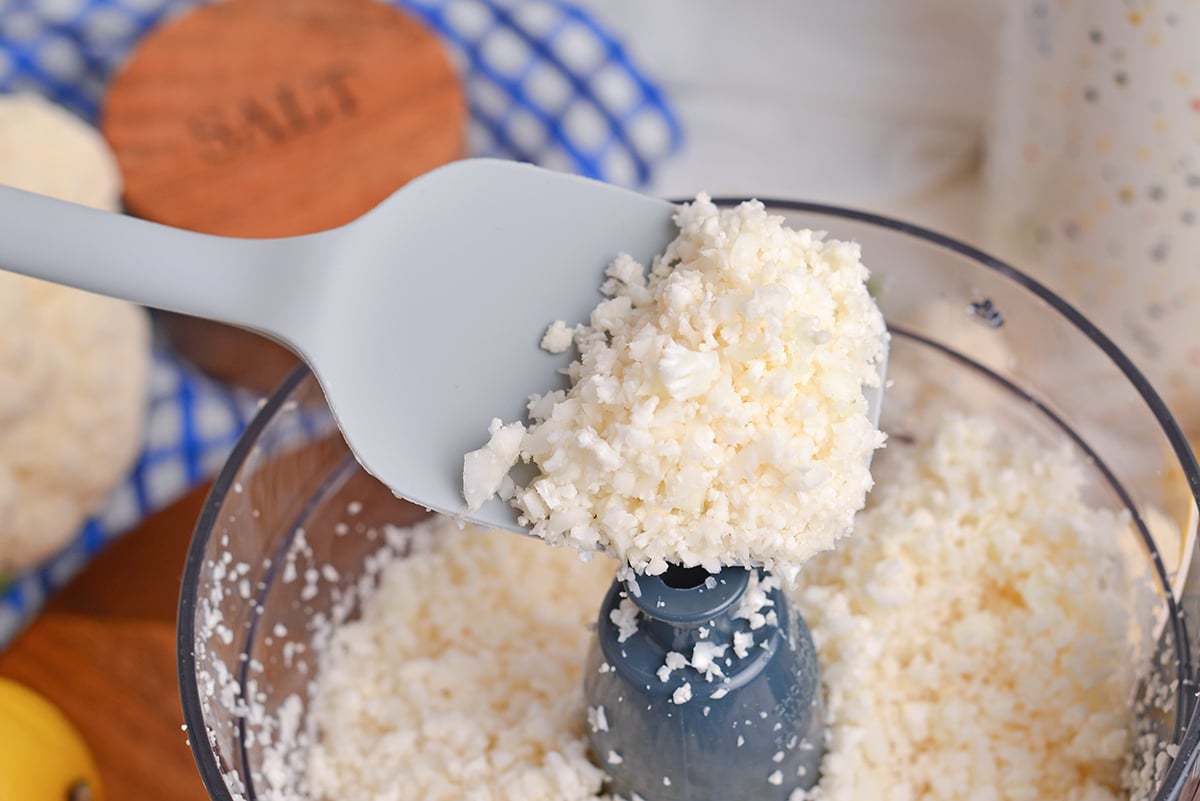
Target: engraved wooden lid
x=268, y=118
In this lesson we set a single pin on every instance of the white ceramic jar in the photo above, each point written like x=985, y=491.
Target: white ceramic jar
x=1093, y=172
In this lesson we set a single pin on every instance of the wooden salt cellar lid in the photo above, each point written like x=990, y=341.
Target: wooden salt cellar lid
x=264, y=118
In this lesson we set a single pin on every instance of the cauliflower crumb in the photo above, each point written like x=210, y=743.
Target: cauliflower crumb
x=754, y=600
x=671, y=662
x=704, y=659
x=597, y=718
x=625, y=618
x=742, y=642
x=682, y=694
x=717, y=401
x=558, y=337
x=485, y=470
x=675, y=660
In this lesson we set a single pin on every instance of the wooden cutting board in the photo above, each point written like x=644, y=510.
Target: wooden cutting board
x=115, y=680
x=104, y=652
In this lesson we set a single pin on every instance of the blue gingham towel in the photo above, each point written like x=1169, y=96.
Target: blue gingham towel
x=545, y=82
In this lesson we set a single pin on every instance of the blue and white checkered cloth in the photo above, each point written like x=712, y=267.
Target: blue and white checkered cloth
x=545, y=82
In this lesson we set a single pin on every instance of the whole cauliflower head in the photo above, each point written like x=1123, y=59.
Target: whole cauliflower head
x=73, y=366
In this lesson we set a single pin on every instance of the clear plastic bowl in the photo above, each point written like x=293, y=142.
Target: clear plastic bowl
x=969, y=333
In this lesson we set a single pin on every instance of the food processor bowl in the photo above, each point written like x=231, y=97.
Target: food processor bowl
x=294, y=532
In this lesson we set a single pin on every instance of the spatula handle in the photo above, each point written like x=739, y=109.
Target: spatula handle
x=253, y=283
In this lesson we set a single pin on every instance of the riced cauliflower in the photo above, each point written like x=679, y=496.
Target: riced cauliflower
x=462, y=679
x=974, y=638
x=73, y=366
x=975, y=632
x=717, y=412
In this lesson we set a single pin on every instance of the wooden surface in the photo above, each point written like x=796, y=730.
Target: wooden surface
x=104, y=652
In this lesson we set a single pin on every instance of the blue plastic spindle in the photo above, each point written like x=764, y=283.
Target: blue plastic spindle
x=755, y=731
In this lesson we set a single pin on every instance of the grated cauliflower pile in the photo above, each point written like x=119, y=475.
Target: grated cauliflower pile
x=974, y=640
x=716, y=413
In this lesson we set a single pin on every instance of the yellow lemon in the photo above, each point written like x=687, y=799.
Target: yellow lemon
x=42, y=756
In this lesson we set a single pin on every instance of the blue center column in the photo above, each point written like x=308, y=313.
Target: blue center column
x=703, y=687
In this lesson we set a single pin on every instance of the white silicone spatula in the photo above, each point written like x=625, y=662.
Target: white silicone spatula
x=421, y=320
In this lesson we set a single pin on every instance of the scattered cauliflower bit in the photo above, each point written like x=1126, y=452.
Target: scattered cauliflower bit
x=755, y=599
x=597, y=719
x=704, y=659
x=558, y=337
x=625, y=618
x=717, y=412
x=485, y=470
x=73, y=366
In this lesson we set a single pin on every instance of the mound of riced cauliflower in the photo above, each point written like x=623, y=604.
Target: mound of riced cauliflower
x=974, y=638
x=74, y=366
x=463, y=678
x=716, y=413
x=975, y=633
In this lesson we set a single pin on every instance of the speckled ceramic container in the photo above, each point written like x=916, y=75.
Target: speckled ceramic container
x=1093, y=172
